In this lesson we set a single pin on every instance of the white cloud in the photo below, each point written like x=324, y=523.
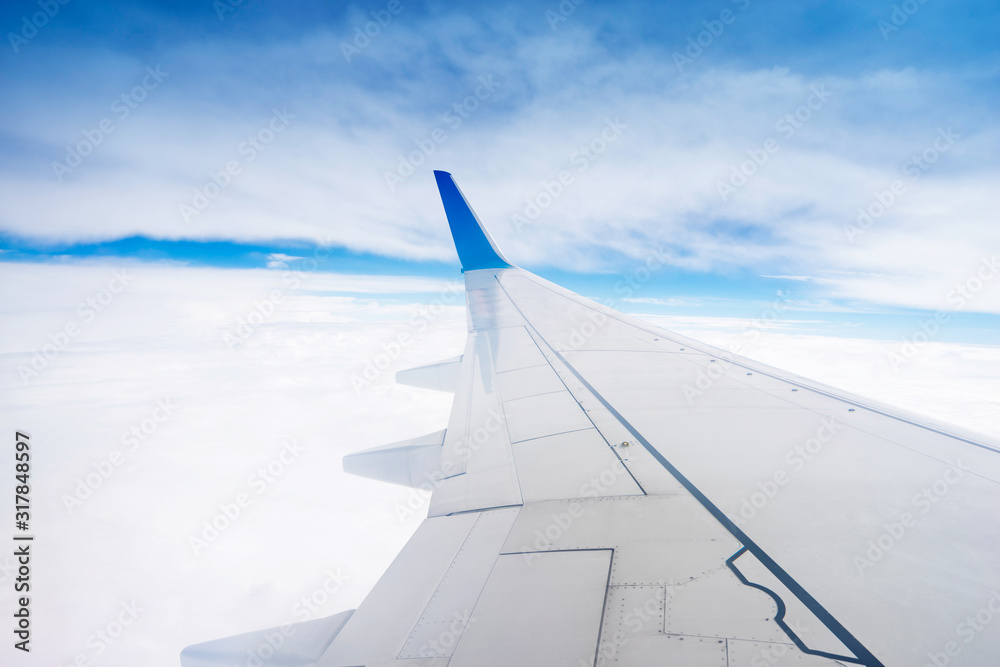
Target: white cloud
x=656, y=185
x=802, y=279
x=162, y=338
x=659, y=302
x=278, y=260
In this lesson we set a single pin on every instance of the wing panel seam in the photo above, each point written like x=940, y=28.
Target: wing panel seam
x=842, y=633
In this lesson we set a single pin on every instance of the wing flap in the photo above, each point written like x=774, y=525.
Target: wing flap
x=290, y=645
x=442, y=376
x=539, y=610
x=421, y=607
x=376, y=632
x=415, y=463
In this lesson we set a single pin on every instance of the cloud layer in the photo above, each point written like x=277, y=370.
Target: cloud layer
x=599, y=135
x=187, y=421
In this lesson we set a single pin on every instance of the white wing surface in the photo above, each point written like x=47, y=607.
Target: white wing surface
x=610, y=493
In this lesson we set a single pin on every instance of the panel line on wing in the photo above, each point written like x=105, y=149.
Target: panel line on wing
x=801, y=400
x=484, y=509
x=550, y=435
x=451, y=604
x=842, y=633
x=566, y=389
x=755, y=367
x=538, y=612
x=477, y=440
x=779, y=618
x=819, y=610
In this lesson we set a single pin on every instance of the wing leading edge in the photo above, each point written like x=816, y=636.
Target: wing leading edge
x=588, y=508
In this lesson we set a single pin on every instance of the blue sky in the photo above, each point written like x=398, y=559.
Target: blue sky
x=314, y=135
x=207, y=160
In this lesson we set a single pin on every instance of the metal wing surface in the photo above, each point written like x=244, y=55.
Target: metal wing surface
x=610, y=493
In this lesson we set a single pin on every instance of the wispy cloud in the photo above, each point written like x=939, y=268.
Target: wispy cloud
x=659, y=302
x=323, y=178
x=803, y=279
x=277, y=260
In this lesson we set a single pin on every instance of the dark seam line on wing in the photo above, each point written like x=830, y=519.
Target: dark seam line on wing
x=550, y=435
x=483, y=509
x=561, y=380
x=522, y=368
x=556, y=551
x=825, y=617
x=604, y=607
x=820, y=612
x=523, y=398
x=757, y=369
x=585, y=413
x=779, y=618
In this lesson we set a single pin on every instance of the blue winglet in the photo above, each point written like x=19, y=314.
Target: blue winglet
x=474, y=244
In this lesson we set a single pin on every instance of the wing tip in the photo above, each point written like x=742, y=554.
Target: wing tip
x=476, y=248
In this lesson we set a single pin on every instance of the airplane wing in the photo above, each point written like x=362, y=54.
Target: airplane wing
x=607, y=492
